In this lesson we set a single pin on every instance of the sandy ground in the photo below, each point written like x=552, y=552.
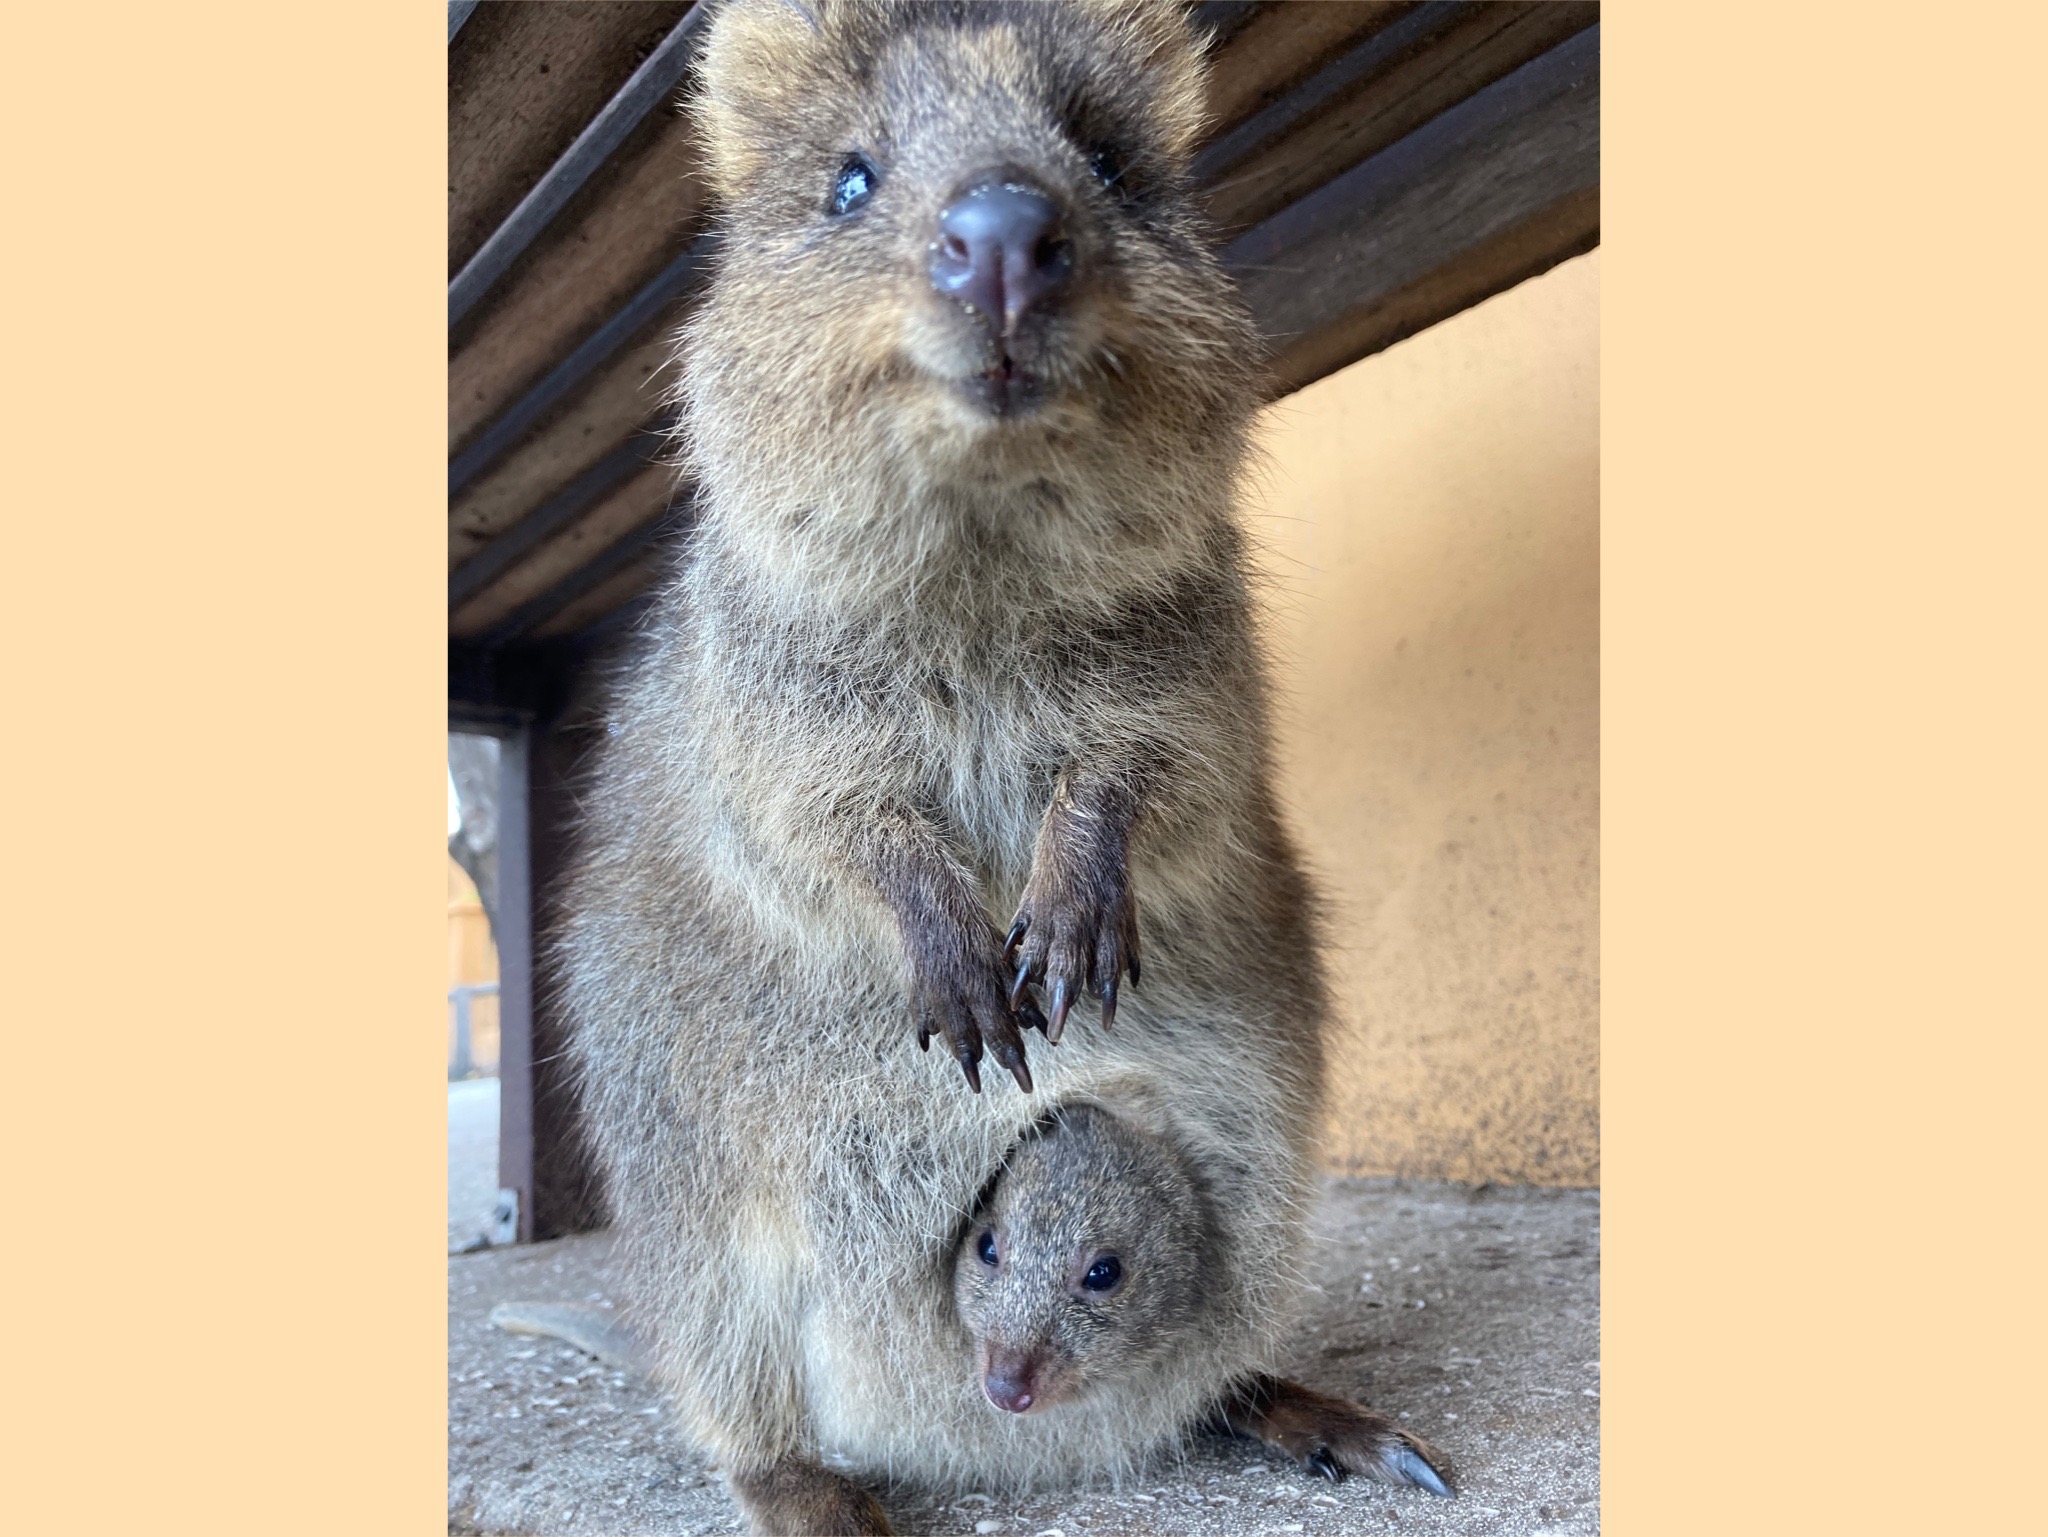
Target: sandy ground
x=1472, y=1313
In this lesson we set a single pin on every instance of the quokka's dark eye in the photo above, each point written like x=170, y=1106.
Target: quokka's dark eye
x=1103, y=1274
x=1108, y=167
x=854, y=185
x=985, y=1248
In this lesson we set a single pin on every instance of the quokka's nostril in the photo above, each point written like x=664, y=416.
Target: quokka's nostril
x=1000, y=252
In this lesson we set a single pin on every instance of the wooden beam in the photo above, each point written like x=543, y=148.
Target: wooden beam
x=524, y=79
x=458, y=13
x=603, y=619
x=629, y=222
x=650, y=84
x=687, y=269
x=622, y=398
x=642, y=543
x=603, y=615
x=1277, y=46
x=1223, y=19
x=624, y=461
x=1499, y=187
x=1391, y=84
x=496, y=691
x=639, y=500
x=1284, y=114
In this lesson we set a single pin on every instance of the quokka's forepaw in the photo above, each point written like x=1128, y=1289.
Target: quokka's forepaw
x=962, y=999
x=1071, y=938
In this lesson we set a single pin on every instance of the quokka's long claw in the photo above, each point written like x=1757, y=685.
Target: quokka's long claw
x=1028, y=1018
x=1023, y=981
x=1057, y=1002
x=1414, y=1467
x=1020, y=1070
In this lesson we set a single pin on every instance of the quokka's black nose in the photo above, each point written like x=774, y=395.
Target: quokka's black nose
x=1000, y=251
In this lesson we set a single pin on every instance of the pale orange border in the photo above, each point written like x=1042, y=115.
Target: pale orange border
x=225, y=598
x=1823, y=557
x=1823, y=774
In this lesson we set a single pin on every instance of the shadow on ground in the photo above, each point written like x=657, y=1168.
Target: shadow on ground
x=1471, y=1313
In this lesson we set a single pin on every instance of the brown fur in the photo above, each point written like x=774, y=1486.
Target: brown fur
x=924, y=667
x=1334, y=1437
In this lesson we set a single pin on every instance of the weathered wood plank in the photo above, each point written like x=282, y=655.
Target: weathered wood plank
x=1498, y=188
x=640, y=500
x=515, y=937
x=1280, y=45
x=641, y=549
x=634, y=217
x=649, y=85
x=602, y=607
x=619, y=399
x=540, y=1154
x=623, y=461
x=648, y=308
x=1425, y=62
x=524, y=79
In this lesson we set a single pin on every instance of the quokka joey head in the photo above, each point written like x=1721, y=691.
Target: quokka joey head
x=963, y=223
x=1084, y=1265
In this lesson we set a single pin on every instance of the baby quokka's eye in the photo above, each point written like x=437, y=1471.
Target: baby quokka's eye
x=1103, y=1274
x=854, y=185
x=985, y=1249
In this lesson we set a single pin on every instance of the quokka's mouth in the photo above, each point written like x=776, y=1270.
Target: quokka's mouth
x=1007, y=390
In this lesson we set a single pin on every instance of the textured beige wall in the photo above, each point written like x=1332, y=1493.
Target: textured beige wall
x=1431, y=524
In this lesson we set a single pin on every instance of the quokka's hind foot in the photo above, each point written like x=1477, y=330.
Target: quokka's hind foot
x=795, y=1498
x=1334, y=1437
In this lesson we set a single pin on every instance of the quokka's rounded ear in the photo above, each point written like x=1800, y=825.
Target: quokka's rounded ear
x=1162, y=43
x=761, y=60
x=1181, y=103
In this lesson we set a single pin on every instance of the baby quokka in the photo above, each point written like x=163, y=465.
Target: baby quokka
x=1090, y=1262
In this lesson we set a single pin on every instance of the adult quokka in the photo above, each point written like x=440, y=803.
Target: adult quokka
x=950, y=728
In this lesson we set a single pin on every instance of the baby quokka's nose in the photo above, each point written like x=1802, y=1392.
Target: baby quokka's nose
x=1010, y=1379
x=1000, y=251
